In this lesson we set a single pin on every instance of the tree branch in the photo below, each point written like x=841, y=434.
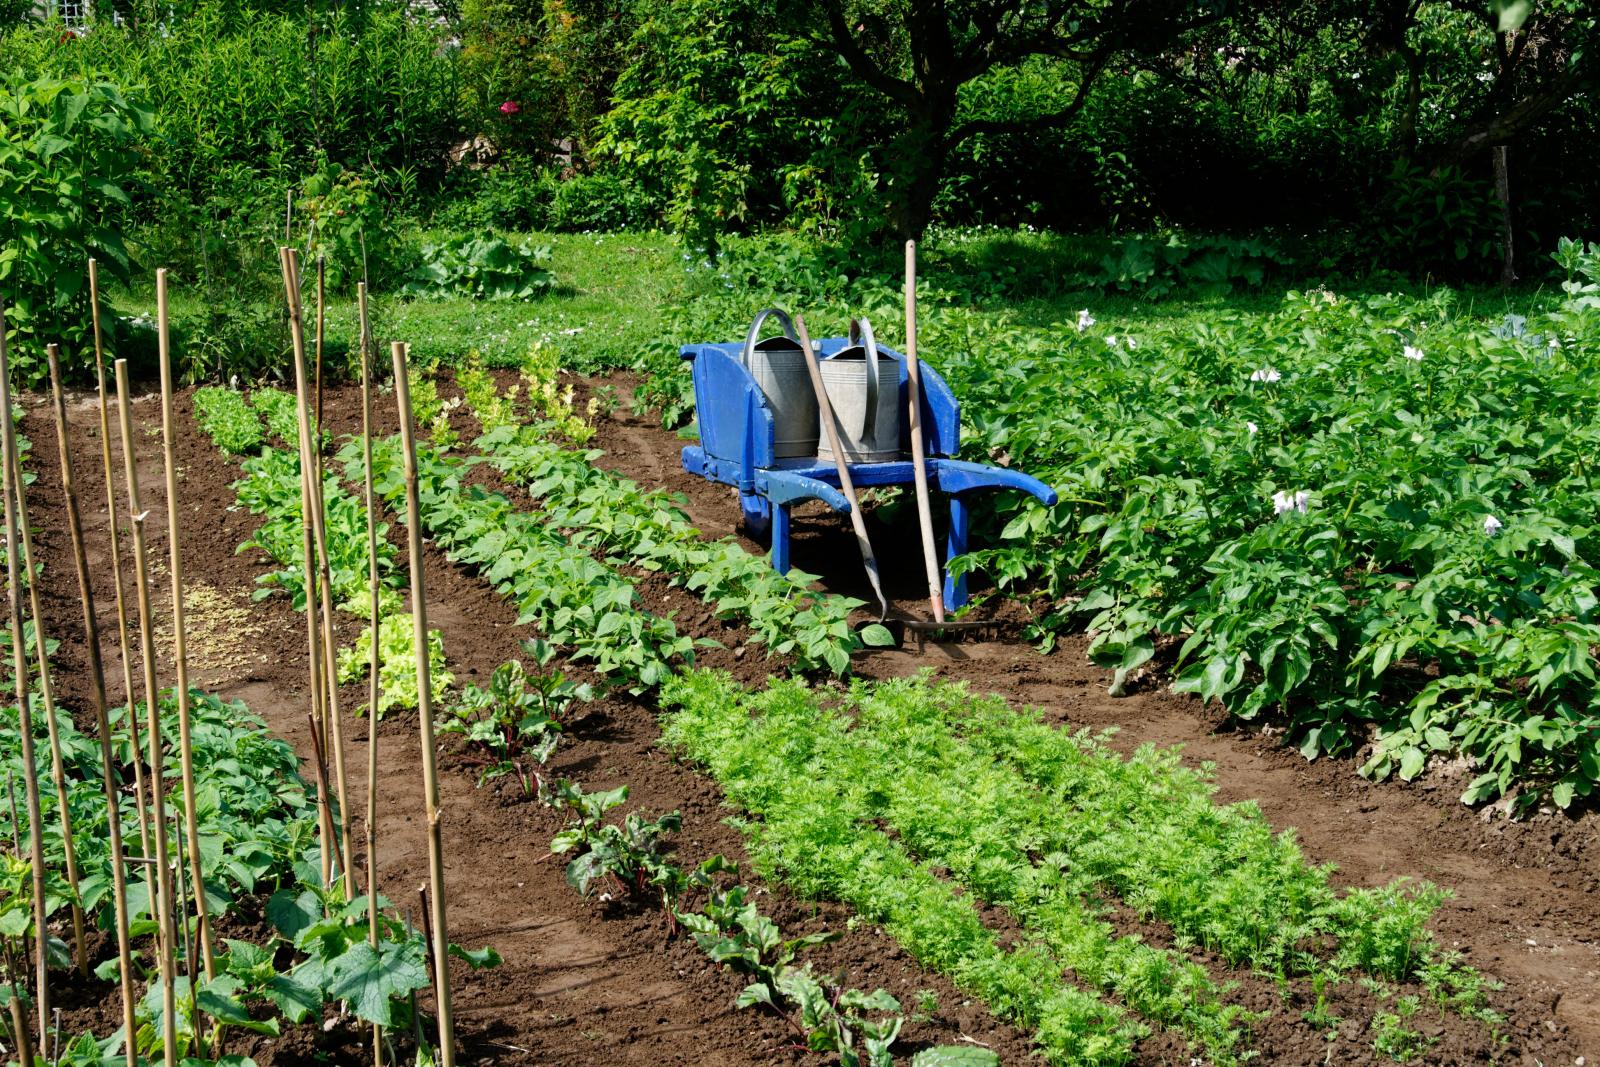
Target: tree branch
x=1036, y=122
x=1498, y=129
x=841, y=40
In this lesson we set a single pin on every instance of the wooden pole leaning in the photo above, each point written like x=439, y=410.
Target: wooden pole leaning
x=374, y=685
x=113, y=531
x=291, y=290
x=842, y=464
x=97, y=679
x=47, y=696
x=430, y=768
x=19, y=664
x=919, y=452
x=161, y=874
x=180, y=633
x=322, y=324
x=311, y=463
x=333, y=730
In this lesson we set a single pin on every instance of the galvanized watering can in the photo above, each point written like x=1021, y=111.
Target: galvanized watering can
x=864, y=388
x=778, y=366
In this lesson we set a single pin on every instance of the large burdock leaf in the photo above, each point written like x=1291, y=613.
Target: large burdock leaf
x=369, y=980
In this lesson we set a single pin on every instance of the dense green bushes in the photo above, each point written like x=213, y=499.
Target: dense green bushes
x=67, y=159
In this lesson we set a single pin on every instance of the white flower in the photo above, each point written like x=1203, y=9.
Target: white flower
x=1413, y=353
x=1252, y=427
x=1492, y=526
x=1131, y=342
x=1085, y=320
x=1265, y=374
x=1554, y=343
x=1111, y=340
x=1284, y=501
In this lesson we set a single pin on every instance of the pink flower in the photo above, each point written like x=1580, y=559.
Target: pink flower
x=510, y=107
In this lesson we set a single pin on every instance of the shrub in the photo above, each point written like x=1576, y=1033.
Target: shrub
x=603, y=201
x=68, y=151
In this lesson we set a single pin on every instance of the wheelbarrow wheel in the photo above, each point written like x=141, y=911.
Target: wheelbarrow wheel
x=757, y=516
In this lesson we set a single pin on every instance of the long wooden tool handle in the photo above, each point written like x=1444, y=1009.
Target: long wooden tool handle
x=919, y=453
x=846, y=484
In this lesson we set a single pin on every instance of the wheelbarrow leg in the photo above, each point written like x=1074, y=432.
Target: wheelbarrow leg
x=757, y=514
x=780, y=538
x=955, y=588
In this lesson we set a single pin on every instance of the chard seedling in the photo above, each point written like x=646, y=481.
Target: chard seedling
x=518, y=718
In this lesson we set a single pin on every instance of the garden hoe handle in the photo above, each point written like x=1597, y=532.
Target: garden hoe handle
x=848, y=487
x=919, y=454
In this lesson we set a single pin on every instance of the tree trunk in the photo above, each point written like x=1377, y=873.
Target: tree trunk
x=1502, y=192
x=918, y=158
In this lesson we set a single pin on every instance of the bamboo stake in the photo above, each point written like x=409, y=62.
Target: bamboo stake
x=19, y=658
x=373, y=684
x=16, y=822
x=97, y=678
x=330, y=667
x=47, y=695
x=180, y=632
x=181, y=913
x=333, y=727
x=919, y=457
x=291, y=289
x=161, y=898
x=322, y=322
x=19, y=1018
x=311, y=435
x=847, y=485
x=321, y=759
x=430, y=769
x=116, y=557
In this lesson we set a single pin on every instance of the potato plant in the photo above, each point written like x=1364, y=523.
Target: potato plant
x=1372, y=518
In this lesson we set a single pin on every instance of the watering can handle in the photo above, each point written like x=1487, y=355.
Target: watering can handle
x=861, y=333
x=747, y=353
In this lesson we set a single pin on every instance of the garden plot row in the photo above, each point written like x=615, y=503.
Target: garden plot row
x=1223, y=897
x=1367, y=519
x=147, y=886
x=1350, y=513
x=513, y=724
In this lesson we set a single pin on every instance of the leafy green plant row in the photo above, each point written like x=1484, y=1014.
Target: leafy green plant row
x=612, y=515
x=254, y=817
x=577, y=601
x=257, y=824
x=228, y=419
x=634, y=858
x=280, y=412
x=802, y=835
x=1045, y=824
x=1372, y=518
x=271, y=489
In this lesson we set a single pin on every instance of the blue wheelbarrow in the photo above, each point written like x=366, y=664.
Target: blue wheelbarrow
x=739, y=446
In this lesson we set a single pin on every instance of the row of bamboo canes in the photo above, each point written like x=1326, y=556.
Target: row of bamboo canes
x=176, y=887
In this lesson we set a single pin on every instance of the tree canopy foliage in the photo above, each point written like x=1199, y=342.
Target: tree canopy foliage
x=1363, y=130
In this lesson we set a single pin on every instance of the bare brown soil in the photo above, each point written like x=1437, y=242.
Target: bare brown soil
x=589, y=983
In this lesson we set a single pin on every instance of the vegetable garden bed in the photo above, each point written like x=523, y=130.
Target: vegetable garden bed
x=587, y=981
